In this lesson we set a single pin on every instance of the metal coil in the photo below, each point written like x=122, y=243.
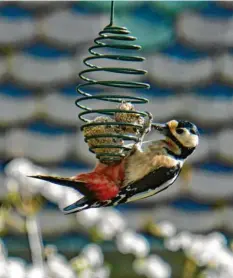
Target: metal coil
x=111, y=38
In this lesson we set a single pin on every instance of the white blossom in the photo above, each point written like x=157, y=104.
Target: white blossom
x=152, y=267
x=53, y=192
x=110, y=224
x=180, y=241
x=102, y=272
x=166, y=228
x=19, y=169
x=36, y=272
x=130, y=242
x=70, y=196
x=89, y=217
x=16, y=268
x=94, y=255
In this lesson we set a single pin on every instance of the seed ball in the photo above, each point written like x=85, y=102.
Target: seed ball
x=131, y=118
x=101, y=130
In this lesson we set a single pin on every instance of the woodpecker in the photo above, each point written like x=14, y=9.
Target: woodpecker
x=150, y=168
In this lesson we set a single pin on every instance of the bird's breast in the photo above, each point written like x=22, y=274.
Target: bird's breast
x=140, y=164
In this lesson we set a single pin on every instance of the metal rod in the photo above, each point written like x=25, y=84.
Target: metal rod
x=112, y=13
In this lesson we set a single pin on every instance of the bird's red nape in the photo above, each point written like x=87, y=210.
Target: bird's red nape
x=104, y=181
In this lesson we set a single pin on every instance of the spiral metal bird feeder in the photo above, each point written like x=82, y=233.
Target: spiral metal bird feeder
x=107, y=134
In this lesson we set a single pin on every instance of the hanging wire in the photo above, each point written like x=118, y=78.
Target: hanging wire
x=114, y=38
x=112, y=13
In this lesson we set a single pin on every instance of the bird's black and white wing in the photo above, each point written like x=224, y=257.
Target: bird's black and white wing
x=151, y=184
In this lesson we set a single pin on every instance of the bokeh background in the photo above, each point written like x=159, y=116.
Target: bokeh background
x=189, y=59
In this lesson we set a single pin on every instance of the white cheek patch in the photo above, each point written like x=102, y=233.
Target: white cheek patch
x=195, y=140
x=187, y=139
x=191, y=141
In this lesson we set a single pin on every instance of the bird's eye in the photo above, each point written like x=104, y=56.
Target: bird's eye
x=192, y=131
x=179, y=130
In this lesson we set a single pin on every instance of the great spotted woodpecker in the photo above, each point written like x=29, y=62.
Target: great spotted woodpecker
x=150, y=168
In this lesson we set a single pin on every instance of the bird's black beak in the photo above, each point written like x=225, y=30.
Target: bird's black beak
x=162, y=128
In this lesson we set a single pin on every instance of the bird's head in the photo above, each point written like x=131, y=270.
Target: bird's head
x=183, y=134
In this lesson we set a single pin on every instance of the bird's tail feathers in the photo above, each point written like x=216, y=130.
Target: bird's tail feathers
x=75, y=184
x=77, y=206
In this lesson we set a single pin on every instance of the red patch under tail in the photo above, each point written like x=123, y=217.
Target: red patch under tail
x=101, y=185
